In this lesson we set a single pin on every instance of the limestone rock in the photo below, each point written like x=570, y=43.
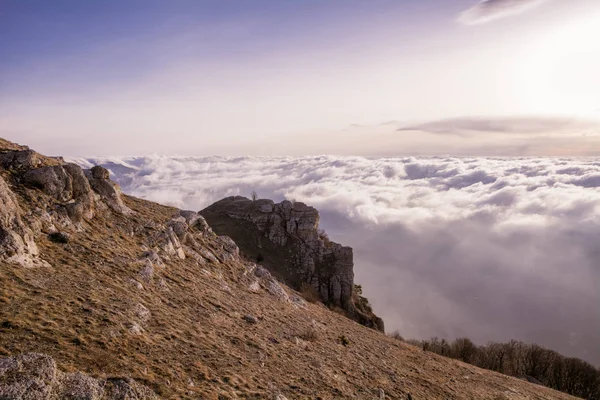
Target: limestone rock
x=20, y=159
x=191, y=217
x=179, y=226
x=141, y=312
x=229, y=245
x=36, y=377
x=169, y=243
x=285, y=237
x=147, y=273
x=67, y=184
x=108, y=190
x=257, y=278
x=52, y=180
x=79, y=386
x=29, y=376
x=135, y=329
x=153, y=257
x=137, y=285
x=83, y=196
x=17, y=243
x=99, y=172
x=251, y=319
x=127, y=388
x=276, y=290
x=195, y=221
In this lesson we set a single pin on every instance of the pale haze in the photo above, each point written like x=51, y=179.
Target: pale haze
x=300, y=78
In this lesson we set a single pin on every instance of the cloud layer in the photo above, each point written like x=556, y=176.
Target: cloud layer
x=489, y=10
x=492, y=248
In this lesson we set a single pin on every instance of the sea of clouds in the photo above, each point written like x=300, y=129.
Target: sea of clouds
x=489, y=248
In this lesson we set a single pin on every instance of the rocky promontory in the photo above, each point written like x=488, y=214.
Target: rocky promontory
x=286, y=239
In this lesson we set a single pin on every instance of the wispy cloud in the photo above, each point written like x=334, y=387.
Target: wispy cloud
x=517, y=125
x=489, y=10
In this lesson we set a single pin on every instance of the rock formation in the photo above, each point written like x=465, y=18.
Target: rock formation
x=36, y=377
x=17, y=243
x=109, y=191
x=285, y=237
x=65, y=196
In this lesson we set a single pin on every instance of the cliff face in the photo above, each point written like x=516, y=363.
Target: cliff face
x=285, y=238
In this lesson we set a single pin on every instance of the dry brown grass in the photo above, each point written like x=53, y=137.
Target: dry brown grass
x=309, y=293
x=310, y=334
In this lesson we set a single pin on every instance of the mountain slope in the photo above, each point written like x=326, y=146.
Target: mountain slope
x=117, y=287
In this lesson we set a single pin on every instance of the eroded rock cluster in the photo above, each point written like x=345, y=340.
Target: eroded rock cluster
x=35, y=376
x=70, y=196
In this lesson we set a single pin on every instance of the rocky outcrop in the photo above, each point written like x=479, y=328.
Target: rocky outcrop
x=66, y=184
x=20, y=159
x=108, y=190
x=64, y=199
x=36, y=377
x=17, y=243
x=285, y=238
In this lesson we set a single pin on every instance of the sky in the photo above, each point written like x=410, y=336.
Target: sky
x=266, y=77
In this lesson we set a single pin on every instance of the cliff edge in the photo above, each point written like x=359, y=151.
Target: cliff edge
x=286, y=239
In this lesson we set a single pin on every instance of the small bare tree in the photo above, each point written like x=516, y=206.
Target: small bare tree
x=254, y=195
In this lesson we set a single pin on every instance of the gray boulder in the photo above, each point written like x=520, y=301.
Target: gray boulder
x=36, y=377
x=67, y=184
x=53, y=180
x=20, y=159
x=17, y=243
x=108, y=190
x=99, y=172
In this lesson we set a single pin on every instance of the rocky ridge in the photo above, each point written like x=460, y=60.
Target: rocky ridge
x=286, y=239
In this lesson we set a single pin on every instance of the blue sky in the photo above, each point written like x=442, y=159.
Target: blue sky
x=228, y=77
x=116, y=41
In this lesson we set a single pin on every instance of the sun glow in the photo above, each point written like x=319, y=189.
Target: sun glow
x=561, y=73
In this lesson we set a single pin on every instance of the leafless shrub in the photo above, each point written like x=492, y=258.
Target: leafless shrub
x=526, y=361
x=324, y=237
x=414, y=342
x=309, y=293
x=310, y=334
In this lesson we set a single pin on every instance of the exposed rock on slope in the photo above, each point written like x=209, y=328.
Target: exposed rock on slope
x=150, y=301
x=17, y=244
x=68, y=201
x=35, y=376
x=108, y=190
x=285, y=237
